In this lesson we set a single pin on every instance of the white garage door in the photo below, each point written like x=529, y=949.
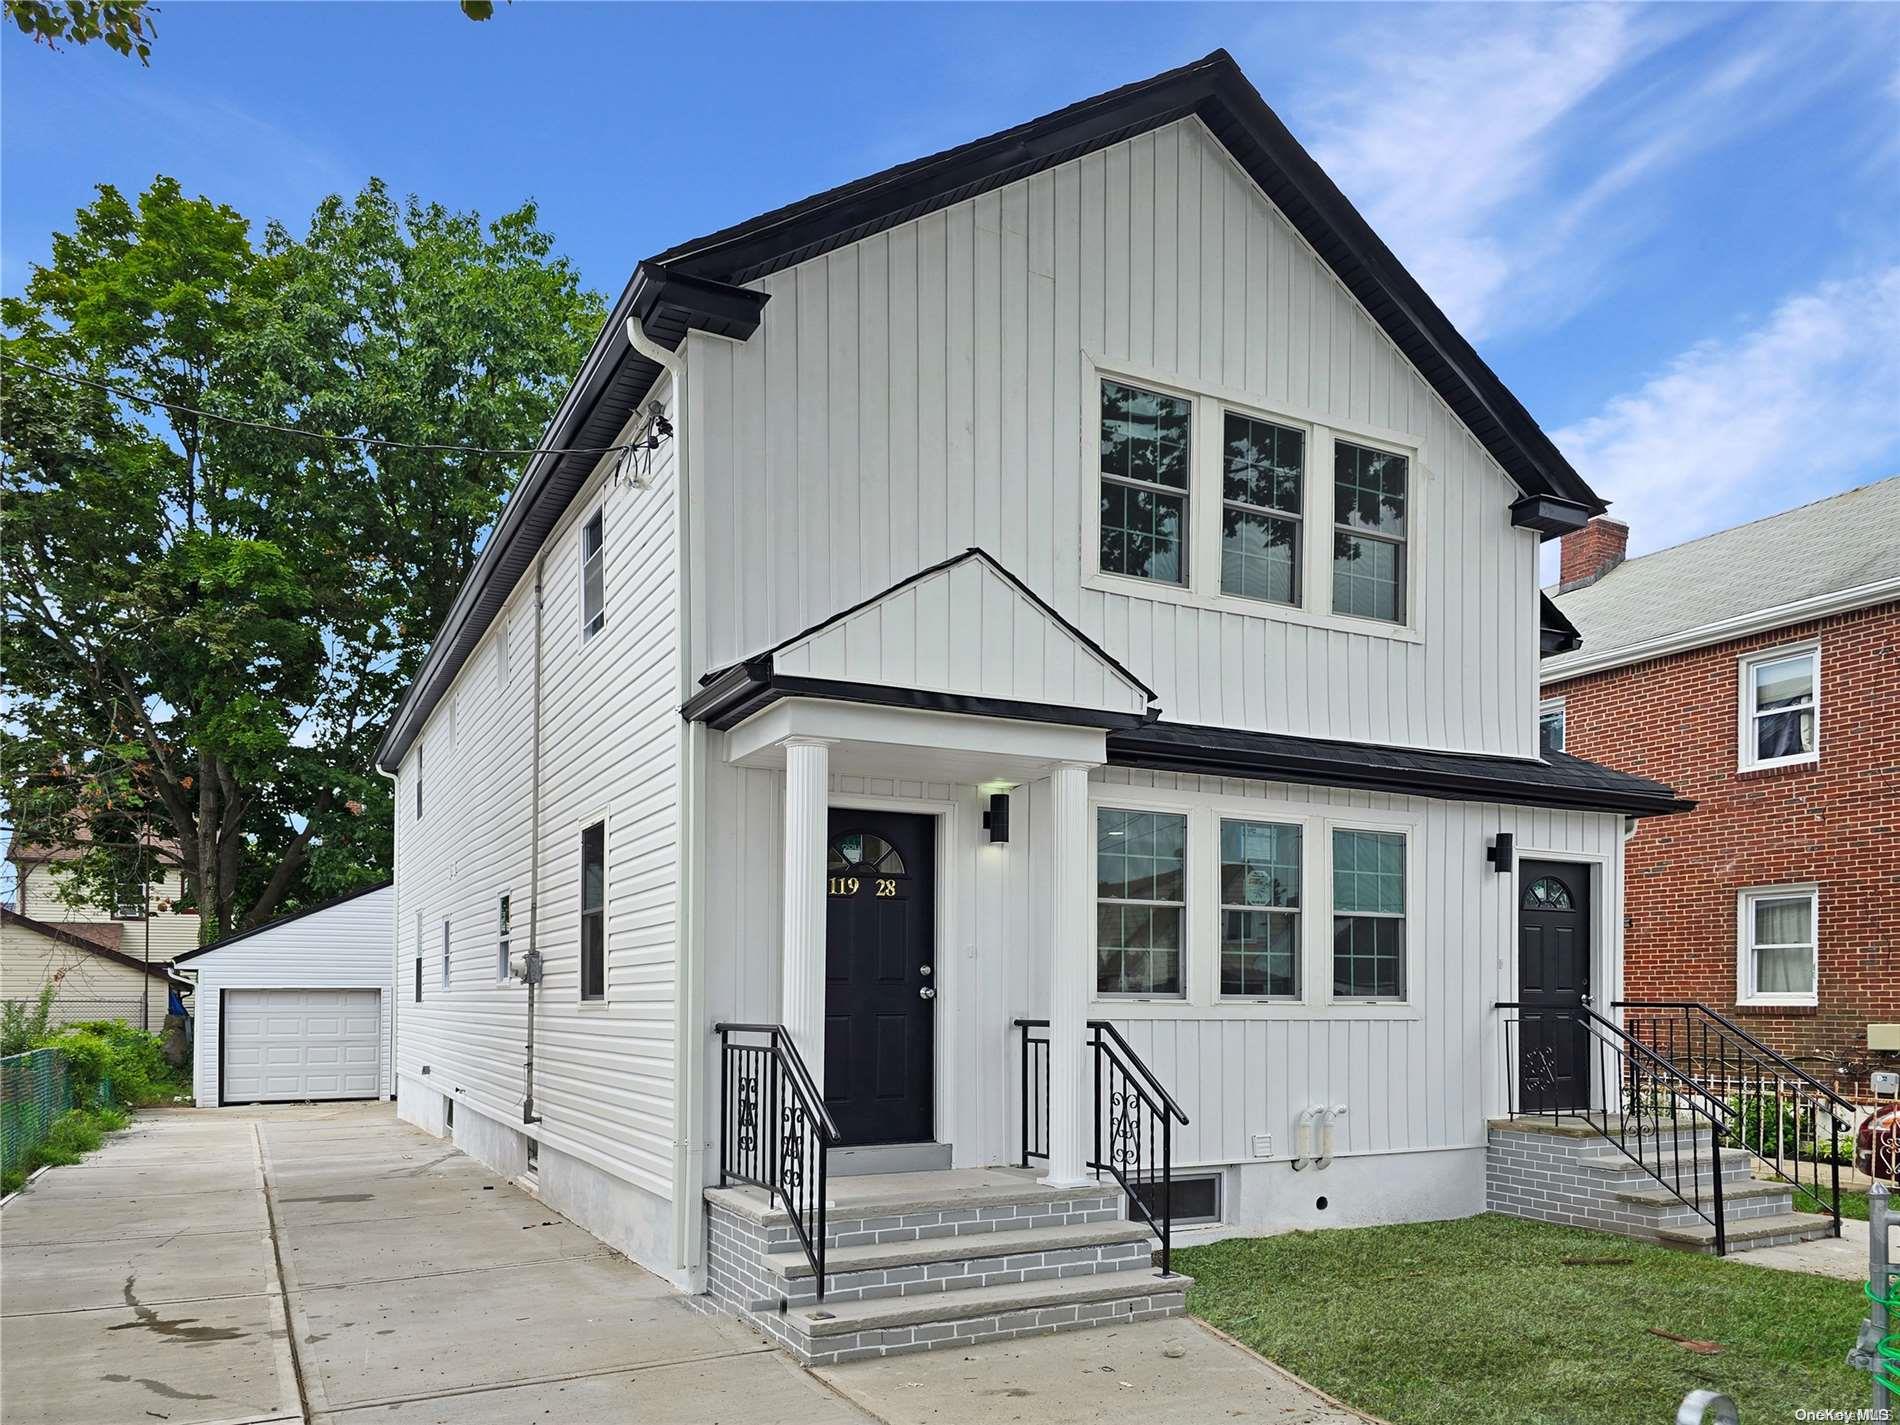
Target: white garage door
x=298, y=1044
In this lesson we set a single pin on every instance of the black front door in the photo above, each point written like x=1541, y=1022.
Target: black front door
x=1553, y=979
x=880, y=931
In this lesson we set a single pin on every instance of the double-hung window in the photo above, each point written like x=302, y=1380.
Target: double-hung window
x=1777, y=943
x=1368, y=915
x=594, y=911
x=445, y=954
x=1781, y=707
x=418, y=957
x=1259, y=910
x=593, y=576
x=1263, y=467
x=1369, y=532
x=1140, y=902
x=1145, y=451
x=418, y=788
x=503, y=938
x=1550, y=726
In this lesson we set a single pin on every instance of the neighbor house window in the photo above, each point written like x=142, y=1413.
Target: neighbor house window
x=128, y=901
x=1140, y=901
x=594, y=911
x=1368, y=915
x=1262, y=470
x=1550, y=726
x=1259, y=909
x=1778, y=942
x=1145, y=451
x=593, y=576
x=1781, y=702
x=1369, y=531
x=502, y=939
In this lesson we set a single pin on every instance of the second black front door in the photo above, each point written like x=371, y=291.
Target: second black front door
x=880, y=975
x=1553, y=958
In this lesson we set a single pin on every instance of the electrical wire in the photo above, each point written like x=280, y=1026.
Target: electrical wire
x=369, y=440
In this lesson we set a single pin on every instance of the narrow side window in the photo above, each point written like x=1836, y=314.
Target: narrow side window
x=594, y=911
x=593, y=580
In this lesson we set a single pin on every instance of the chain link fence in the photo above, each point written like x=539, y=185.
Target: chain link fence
x=69, y=1009
x=35, y=1090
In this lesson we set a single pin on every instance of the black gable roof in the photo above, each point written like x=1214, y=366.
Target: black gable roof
x=700, y=285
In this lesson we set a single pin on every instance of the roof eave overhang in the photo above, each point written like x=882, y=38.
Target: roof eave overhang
x=1549, y=515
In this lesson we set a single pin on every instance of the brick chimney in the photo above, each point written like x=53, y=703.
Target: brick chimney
x=1591, y=552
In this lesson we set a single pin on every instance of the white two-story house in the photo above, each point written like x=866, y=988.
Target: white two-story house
x=1076, y=578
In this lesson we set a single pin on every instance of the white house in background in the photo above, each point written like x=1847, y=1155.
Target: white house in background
x=97, y=979
x=299, y=1008
x=1076, y=577
x=147, y=926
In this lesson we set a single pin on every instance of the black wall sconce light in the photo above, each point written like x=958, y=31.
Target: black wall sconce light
x=996, y=819
x=1499, y=853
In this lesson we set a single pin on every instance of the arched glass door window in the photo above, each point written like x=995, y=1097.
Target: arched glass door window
x=865, y=853
x=1547, y=893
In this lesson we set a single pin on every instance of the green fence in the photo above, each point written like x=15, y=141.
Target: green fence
x=35, y=1090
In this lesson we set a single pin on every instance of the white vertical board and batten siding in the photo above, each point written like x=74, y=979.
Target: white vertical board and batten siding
x=924, y=389
x=605, y=1072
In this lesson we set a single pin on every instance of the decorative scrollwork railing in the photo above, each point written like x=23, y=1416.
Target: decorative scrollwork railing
x=774, y=1130
x=1138, y=1115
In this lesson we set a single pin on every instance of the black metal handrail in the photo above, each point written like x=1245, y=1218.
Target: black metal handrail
x=1033, y=1107
x=1140, y=1114
x=774, y=1130
x=1762, y=1094
x=1136, y=1116
x=1633, y=1098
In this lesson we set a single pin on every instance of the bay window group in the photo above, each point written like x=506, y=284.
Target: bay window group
x=1212, y=903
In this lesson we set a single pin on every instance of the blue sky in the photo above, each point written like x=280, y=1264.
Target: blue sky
x=1674, y=231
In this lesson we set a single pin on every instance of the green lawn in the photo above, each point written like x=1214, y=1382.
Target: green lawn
x=1496, y=1319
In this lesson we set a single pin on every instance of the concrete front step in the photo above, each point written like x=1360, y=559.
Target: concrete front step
x=1749, y=1190
x=1748, y=1234
x=827, y=1334
x=926, y=1251
x=1737, y=1163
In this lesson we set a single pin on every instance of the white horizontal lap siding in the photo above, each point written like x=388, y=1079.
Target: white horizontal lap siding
x=344, y=947
x=610, y=732
x=923, y=390
x=1408, y=1083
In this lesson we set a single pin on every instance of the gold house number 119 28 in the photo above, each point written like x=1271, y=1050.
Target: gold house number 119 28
x=849, y=886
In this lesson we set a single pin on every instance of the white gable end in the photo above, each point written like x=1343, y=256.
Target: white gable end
x=965, y=629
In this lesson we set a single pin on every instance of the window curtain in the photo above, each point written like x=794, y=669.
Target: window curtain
x=1784, y=955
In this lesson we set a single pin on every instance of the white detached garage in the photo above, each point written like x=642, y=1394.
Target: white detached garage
x=299, y=1008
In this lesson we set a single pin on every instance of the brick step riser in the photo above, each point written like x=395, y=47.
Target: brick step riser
x=836, y=1350
x=945, y=1278
x=1676, y=1213
x=1635, y=1180
x=859, y=1231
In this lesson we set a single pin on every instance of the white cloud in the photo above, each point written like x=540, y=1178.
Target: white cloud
x=1802, y=405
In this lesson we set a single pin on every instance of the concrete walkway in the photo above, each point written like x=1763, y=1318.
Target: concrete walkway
x=332, y=1266
x=154, y=1282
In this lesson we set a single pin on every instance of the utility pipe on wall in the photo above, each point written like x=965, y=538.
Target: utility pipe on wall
x=533, y=964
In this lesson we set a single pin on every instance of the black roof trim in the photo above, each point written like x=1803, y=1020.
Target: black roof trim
x=748, y=688
x=52, y=931
x=1555, y=781
x=975, y=552
x=1549, y=515
x=1555, y=632
x=614, y=380
x=317, y=909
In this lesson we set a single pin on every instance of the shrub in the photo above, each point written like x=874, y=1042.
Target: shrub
x=109, y=1054
x=22, y=1027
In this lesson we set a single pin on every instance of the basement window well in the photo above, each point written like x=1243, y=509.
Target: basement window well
x=1197, y=1199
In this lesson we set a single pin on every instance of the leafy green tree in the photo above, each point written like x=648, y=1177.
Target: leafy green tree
x=123, y=25
x=208, y=623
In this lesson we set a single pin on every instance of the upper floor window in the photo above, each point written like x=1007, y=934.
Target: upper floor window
x=1146, y=448
x=1368, y=915
x=593, y=576
x=1140, y=901
x=1550, y=726
x=594, y=911
x=504, y=939
x=445, y=954
x=1263, y=468
x=1259, y=909
x=128, y=900
x=1777, y=946
x=418, y=781
x=1369, y=532
x=1781, y=707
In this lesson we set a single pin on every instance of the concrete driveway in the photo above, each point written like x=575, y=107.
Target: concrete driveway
x=157, y=1280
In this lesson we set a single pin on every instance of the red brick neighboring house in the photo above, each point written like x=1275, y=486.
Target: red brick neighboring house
x=1756, y=671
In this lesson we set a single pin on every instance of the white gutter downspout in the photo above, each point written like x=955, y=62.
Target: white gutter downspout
x=395, y=933
x=690, y=983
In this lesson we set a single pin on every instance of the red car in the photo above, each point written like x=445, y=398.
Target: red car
x=1877, y=1145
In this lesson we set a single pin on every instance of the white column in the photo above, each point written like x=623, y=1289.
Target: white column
x=802, y=981
x=1071, y=1101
